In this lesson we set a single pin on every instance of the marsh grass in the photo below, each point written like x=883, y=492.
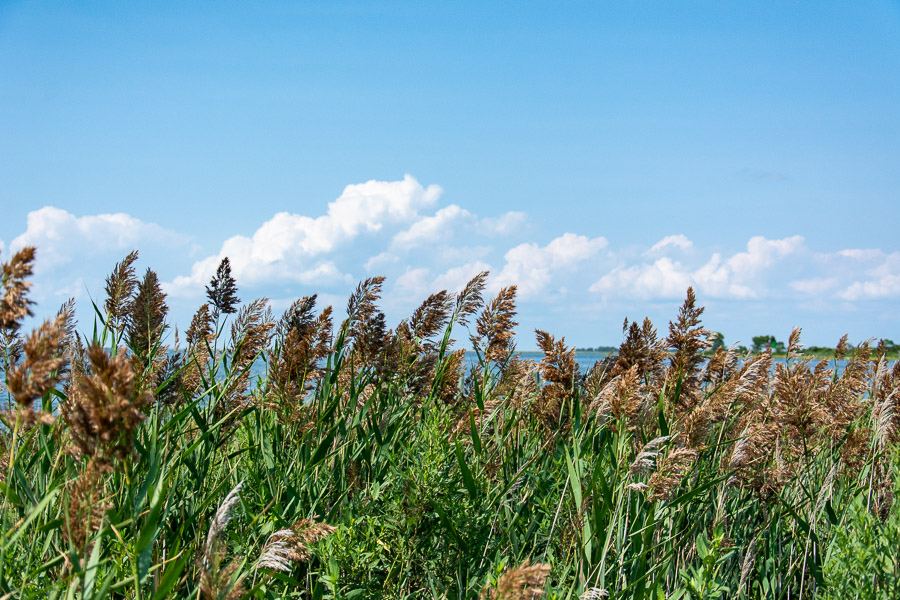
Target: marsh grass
x=370, y=462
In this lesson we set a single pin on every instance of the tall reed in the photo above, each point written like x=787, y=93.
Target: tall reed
x=365, y=461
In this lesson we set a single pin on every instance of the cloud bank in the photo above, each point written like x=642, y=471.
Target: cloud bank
x=402, y=229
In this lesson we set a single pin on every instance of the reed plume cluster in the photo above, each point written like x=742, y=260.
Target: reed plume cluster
x=369, y=461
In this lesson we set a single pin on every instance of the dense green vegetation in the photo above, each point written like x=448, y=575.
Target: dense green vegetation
x=371, y=463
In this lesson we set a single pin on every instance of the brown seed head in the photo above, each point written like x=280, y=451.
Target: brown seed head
x=520, y=583
x=120, y=286
x=14, y=304
x=104, y=409
x=42, y=366
x=146, y=321
x=431, y=317
x=470, y=298
x=495, y=326
x=250, y=333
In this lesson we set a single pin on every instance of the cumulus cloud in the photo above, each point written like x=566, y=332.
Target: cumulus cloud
x=281, y=249
x=61, y=237
x=882, y=281
x=456, y=278
x=413, y=282
x=664, y=278
x=738, y=276
x=531, y=267
x=419, y=282
x=430, y=230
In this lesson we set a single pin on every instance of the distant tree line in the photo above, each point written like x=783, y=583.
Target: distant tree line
x=762, y=343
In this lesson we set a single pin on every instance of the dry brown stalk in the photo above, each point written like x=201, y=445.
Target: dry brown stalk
x=520, y=583
x=448, y=380
x=200, y=338
x=250, y=333
x=751, y=458
x=645, y=461
x=366, y=332
x=430, y=318
x=598, y=376
x=302, y=340
x=104, y=409
x=223, y=583
x=41, y=368
x=886, y=409
x=120, y=287
x=146, y=320
x=670, y=470
x=738, y=389
x=628, y=400
x=560, y=372
x=495, y=326
x=721, y=366
x=86, y=504
x=798, y=394
x=290, y=546
x=687, y=339
x=217, y=582
x=518, y=384
x=15, y=305
x=641, y=349
x=469, y=299
x=841, y=399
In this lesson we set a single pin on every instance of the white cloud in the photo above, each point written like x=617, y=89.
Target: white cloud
x=663, y=278
x=739, y=276
x=418, y=282
x=814, y=286
x=532, y=267
x=430, y=230
x=883, y=281
x=455, y=279
x=679, y=241
x=383, y=258
x=736, y=277
x=61, y=237
x=414, y=282
x=762, y=253
x=862, y=254
x=505, y=224
x=280, y=250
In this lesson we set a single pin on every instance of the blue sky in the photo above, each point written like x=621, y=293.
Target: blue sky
x=601, y=155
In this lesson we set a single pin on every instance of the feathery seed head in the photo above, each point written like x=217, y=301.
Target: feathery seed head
x=223, y=517
x=470, y=298
x=120, y=286
x=222, y=290
x=43, y=363
x=14, y=304
x=104, y=409
x=495, y=326
x=524, y=582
